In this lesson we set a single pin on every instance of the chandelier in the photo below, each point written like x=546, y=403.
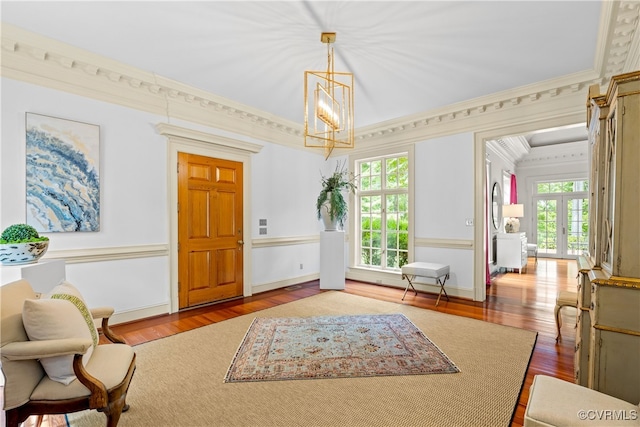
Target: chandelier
x=328, y=105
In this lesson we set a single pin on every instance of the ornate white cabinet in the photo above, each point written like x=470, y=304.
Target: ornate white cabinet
x=512, y=250
x=608, y=334
x=583, y=324
x=614, y=355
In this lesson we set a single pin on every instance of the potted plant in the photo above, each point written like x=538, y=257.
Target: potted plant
x=331, y=205
x=21, y=244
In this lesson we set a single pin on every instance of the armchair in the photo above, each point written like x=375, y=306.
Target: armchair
x=102, y=381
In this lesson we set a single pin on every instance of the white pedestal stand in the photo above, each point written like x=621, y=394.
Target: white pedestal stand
x=332, y=260
x=43, y=275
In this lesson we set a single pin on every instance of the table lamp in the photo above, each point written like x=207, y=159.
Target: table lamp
x=513, y=212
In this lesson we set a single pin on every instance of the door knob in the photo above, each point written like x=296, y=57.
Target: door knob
x=241, y=242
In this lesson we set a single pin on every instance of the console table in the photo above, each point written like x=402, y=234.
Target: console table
x=512, y=250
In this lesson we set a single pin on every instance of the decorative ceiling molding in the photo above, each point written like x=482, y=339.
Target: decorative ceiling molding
x=622, y=43
x=36, y=59
x=511, y=149
x=561, y=154
x=39, y=60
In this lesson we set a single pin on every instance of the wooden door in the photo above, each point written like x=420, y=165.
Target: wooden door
x=210, y=239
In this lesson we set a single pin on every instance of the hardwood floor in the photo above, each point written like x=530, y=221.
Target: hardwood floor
x=521, y=300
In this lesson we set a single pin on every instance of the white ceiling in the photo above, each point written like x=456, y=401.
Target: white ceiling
x=407, y=56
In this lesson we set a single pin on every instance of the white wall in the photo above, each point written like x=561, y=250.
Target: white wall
x=132, y=163
x=444, y=187
x=133, y=180
x=286, y=184
x=134, y=199
x=444, y=194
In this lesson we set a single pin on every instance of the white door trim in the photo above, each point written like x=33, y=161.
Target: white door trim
x=204, y=144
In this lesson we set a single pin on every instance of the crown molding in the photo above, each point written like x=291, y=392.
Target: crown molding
x=510, y=149
x=617, y=46
x=562, y=154
x=622, y=41
x=39, y=60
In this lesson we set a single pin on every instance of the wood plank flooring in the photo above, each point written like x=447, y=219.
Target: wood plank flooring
x=524, y=300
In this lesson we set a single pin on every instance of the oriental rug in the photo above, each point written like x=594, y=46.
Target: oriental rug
x=291, y=348
x=179, y=379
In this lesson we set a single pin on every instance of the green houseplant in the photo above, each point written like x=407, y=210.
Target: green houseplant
x=331, y=205
x=21, y=244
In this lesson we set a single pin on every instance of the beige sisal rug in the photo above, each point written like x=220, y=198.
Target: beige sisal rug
x=179, y=379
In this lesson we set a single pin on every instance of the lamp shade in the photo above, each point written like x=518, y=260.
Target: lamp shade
x=513, y=211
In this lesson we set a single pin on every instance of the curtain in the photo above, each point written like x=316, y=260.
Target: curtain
x=514, y=190
x=487, y=233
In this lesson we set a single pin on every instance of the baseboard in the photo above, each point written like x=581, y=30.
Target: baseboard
x=139, y=313
x=284, y=283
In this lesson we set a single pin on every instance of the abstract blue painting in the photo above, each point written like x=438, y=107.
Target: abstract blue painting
x=63, y=174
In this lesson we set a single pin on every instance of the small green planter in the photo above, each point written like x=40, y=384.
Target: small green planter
x=21, y=244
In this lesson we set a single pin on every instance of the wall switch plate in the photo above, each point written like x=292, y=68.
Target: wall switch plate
x=263, y=231
x=468, y=222
x=262, y=222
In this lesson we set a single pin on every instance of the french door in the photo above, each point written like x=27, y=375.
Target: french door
x=562, y=224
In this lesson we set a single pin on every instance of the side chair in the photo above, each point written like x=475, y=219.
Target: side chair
x=564, y=299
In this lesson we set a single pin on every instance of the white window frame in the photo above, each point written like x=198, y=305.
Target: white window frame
x=354, y=221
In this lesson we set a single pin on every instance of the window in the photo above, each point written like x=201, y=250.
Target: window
x=562, y=217
x=383, y=216
x=562, y=187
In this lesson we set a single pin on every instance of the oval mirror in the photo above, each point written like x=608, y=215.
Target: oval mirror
x=496, y=204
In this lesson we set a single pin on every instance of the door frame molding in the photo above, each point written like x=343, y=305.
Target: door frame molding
x=185, y=140
x=545, y=120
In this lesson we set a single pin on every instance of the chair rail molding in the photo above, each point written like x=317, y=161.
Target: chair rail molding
x=269, y=242
x=443, y=243
x=114, y=253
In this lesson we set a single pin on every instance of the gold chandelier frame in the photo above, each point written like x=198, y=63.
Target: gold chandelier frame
x=328, y=103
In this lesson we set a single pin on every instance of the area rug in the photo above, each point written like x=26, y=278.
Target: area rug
x=179, y=379
x=293, y=348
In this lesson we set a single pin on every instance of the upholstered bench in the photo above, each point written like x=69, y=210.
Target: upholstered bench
x=554, y=402
x=430, y=270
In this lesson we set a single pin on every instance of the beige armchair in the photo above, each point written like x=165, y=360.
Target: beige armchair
x=102, y=384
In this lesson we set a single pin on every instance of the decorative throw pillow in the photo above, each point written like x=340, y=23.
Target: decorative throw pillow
x=47, y=319
x=68, y=292
x=63, y=314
